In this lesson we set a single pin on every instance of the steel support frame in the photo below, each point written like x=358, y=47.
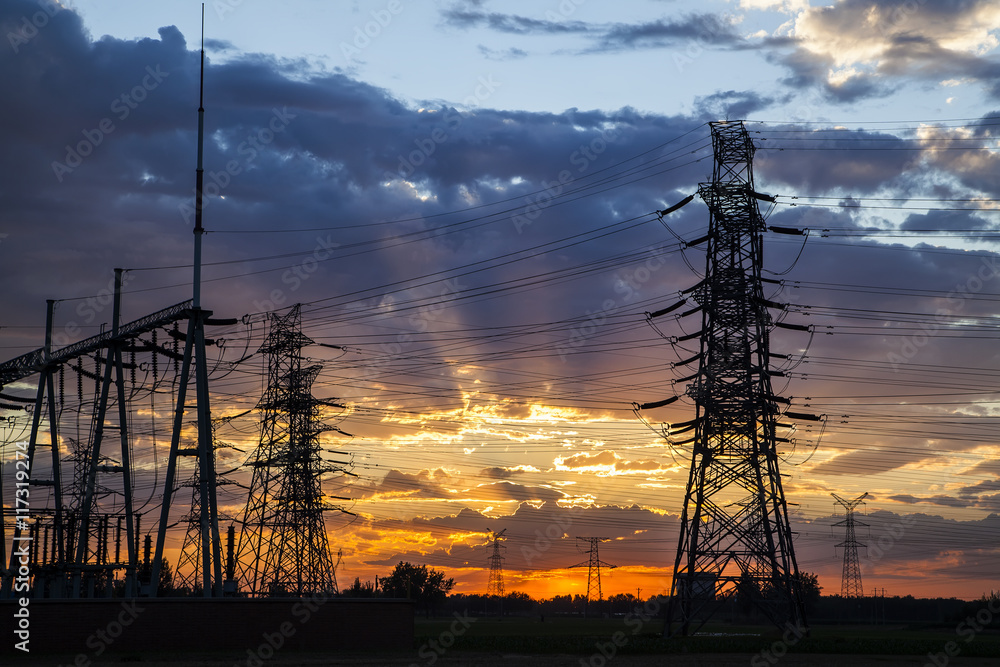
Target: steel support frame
x=735, y=536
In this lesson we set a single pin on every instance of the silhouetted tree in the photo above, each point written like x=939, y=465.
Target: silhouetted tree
x=810, y=587
x=427, y=586
x=359, y=590
x=517, y=602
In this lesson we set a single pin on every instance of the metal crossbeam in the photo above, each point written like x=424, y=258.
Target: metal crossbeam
x=33, y=362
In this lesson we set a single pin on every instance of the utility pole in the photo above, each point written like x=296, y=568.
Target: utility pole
x=850, y=583
x=495, y=585
x=593, y=565
x=735, y=536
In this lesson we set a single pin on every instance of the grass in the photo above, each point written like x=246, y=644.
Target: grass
x=584, y=636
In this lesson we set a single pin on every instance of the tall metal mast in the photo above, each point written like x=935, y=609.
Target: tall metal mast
x=199, y=231
x=211, y=540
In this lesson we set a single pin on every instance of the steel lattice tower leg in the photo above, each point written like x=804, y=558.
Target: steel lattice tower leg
x=735, y=536
x=283, y=547
x=187, y=571
x=850, y=583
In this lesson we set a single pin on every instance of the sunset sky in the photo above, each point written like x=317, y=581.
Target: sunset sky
x=462, y=195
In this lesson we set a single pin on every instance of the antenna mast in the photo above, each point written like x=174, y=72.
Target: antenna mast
x=194, y=354
x=199, y=231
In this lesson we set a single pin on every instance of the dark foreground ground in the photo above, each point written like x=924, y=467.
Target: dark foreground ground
x=475, y=659
x=489, y=642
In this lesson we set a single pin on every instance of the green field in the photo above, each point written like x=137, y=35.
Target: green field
x=531, y=642
x=587, y=636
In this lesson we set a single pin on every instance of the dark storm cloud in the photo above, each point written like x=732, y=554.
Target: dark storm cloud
x=338, y=141
x=505, y=472
x=810, y=70
x=497, y=472
x=511, y=23
x=511, y=53
x=541, y=538
x=704, y=28
x=707, y=29
x=504, y=491
x=914, y=550
x=850, y=51
x=944, y=221
x=862, y=462
x=426, y=484
x=857, y=49
x=733, y=103
x=946, y=501
x=856, y=161
x=347, y=155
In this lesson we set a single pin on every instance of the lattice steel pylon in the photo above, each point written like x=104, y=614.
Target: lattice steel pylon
x=283, y=546
x=850, y=583
x=495, y=585
x=735, y=536
x=594, y=564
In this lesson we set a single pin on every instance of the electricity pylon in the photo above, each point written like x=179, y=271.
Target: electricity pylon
x=495, y=585
x=850, y=583
x=283, y=547
x=735, y=536
x=593, y=564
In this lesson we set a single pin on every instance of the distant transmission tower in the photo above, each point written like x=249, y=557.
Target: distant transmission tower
x=735, y=537
x=495, y=585
x=850, y=583
x=593, y=564
x=283, y=547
